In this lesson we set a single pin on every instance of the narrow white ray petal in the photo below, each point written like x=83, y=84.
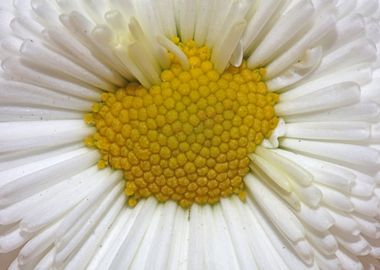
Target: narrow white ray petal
x=5, y=20
x=138, y=56
x=363, y=189
x=29, y=135
x=375, y=132
x=298, y=173
x=310, y=195
x=187, y=18
x=354, y=53
x=35, y=219
x=23, y=130
x=114, y=239
x=258, y=21
x=342, y=131
x=285, y=29
x=323, y=172
x=221, y=256
x=368, y=226
x=47, y=261
x=80, y=54
x=368, y=207
x=15, y=190
x=317, y=218
x=217, y=21
x=280, y=215
x=328, y=262
x=223, y=50
x=49, y=60
x=141, y=257
x=204, y=8
x=336, y=200
x=10, y=46
x=53, y=140
x=151, y=54
x=327, y=98
x=180, y=243
x=158, y=255
x=372, y=32
x=355, y=244
x=78, y=241
x=196, y=252
x=344, y=8
x=25, y=26
x=347, y=153
x=243, y=253
x=148, y=17
x=237, y=56
x=101, y=41
x=344, y=223
x=360, y=74
x=278, y=177
x=6, y=6
x=81, y=259
x=348, y=29
x=23, y=71
x=129, y=246
x=34, y=250
x=286, y=252
x=15, y=168
x=364, y=111
x=367, y=7
x=170, y=46
x=96, y=194
x=27, y=113
x=122, y=54
x=348, y=261
x=209, y=250
x=14, y=93
x=167, y=18
x=97, y=41
x=12, y=240
x=15, y=212
x=323, y=242
x=370, y=91
x=17, y=164
x=95, y=10
x=298, y=71
x=290, y=198
x=115, y=20
x=257, y=240
x=315, y=33
x=46, y=12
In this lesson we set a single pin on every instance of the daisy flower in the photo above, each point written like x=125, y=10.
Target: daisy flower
x=189, y=134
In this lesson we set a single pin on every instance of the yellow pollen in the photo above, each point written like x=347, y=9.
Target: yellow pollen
x=188, y=138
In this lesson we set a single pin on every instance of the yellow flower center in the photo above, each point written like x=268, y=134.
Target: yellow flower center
x=188, y=138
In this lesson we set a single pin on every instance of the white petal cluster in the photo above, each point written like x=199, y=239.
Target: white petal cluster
x=314, y=190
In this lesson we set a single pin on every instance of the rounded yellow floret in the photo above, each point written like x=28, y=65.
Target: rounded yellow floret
x=188, y=138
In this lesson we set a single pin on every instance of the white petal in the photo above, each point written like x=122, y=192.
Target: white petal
x=331, y=97
x=347, y=153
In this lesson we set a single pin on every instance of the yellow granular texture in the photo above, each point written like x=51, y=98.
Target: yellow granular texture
x=188, y=138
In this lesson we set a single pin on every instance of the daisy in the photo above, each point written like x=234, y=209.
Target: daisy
x=178, y=134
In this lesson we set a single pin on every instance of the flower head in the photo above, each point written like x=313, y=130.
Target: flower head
x=231, y=134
